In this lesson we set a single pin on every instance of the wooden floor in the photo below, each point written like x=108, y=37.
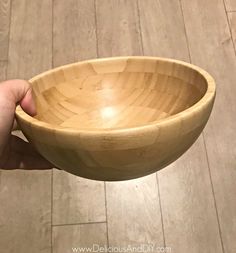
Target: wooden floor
x=190, y=206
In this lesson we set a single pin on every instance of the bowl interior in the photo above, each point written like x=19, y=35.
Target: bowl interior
x=116, y=93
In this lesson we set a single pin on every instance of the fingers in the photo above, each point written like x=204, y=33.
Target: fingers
x=27, y=103
x=13, y=92
x=19, y=91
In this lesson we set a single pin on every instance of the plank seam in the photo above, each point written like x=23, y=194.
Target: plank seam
x=185, y=31
x=105, y=195
x=96, y=27
x=79, y=223
x=162, y=222
x=213, y=193
x=9, y=37
x=229, y=27
x=139, y=24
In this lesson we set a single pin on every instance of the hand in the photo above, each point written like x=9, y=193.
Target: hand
x=15, y=153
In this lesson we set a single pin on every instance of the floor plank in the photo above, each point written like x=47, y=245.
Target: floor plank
x=25, y=213
x=188, y=227
x=214, y=52
x=74, y=32
x=73, y=197
x=25, y=196
x=230, y=5
x=77, y=200
x=159, y=36
x=232, y=22
x=121, y=35
x=4, y=28
x=30, y=53
x=79, y=238
x=189, y=217
x=3, y=68
x=133, y=211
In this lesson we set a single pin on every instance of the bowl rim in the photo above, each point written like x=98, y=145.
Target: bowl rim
x=207, y=98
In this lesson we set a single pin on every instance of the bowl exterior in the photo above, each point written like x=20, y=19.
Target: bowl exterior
x=123, y=154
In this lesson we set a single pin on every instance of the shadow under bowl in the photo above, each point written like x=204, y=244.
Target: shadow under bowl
x=118, y=118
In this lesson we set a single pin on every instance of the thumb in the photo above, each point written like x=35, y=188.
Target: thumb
x=19, y=92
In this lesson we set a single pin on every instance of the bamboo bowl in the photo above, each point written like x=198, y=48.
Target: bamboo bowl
x=118, y=118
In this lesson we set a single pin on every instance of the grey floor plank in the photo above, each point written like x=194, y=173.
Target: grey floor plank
x=74, y=32
x=3, y=68
x=75, y=199
x=79, y=238
x=189, y=215
x=118, y=28
x=25, y=213
x=30, y=48
x=160, y=37
x=133, y=213
x=214, y=51
x=4, y=28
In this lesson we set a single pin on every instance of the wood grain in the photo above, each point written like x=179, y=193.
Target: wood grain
x=232, y=22
x=230, y=5
x=159, y=36
x=214, y=44
x=74, y=22
x=133, y=210
x=79, y=238
x=4, y=28
x=30, y=52
x=25, y=225
x=77, y=200
x=25, y=196
x=122, y=207
x=73, y=197
x=121, y=35
x=118, y=128
x=185, y=187
x=181, y=182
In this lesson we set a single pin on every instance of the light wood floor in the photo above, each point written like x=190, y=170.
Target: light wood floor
x=190, y=206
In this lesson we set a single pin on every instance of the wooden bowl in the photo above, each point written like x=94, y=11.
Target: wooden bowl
x=118, y=118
